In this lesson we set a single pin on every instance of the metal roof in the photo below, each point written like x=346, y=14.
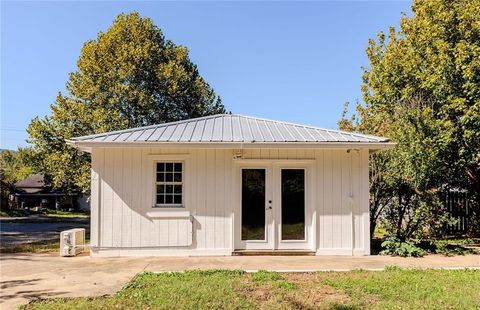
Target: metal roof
x=227, y=128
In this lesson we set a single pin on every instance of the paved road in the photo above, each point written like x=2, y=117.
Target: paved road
x=16, y=233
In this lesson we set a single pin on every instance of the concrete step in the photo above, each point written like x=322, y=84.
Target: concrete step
x=273, y=253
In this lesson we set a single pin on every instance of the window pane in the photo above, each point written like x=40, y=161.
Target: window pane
x=160, y=199
x=293, y=204
x=160, y=177
x=177, y=199
x=169, y=167
x=160, y=167
x=253, y=204
x=177, y=177
x=178, y=167
x=169, y=189
x=169, y=177
x=177, y=189
x=168, y=199
x=160, y=189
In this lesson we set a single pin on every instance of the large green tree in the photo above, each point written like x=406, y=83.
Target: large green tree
x=422, y=89
x=14, y=166
x=130, y=76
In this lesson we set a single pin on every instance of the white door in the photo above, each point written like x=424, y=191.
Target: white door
x=275, y=208
x=256, y=218
x=293, y=216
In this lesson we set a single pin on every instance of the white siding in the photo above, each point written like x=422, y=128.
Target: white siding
x=122, y=199
x=342, y=188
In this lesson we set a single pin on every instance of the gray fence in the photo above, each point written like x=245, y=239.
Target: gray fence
x=457, y=204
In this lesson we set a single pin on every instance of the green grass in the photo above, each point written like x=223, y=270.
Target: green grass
x=215, y=289
x=461, y=241
x=65, y=214
x=11, y=213
x=47, y=246
x=220, y=289
x=411, y=289
x=264, y=276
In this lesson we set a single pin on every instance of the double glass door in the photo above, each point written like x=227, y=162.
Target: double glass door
x=273, y=207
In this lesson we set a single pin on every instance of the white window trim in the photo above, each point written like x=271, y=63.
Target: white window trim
x=165, y=183
x=179, y=158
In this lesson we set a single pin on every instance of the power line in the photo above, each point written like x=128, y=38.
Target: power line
x=12, y=129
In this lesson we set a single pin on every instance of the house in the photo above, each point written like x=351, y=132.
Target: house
x=226, y=184
x=33, y=192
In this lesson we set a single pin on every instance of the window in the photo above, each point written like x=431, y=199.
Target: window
x=169, y=184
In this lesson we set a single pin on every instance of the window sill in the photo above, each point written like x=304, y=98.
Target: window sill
x=169, y=206
x=169, y=213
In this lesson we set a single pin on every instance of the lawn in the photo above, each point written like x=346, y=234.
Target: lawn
x=47, y=213
x=65, y=214
x=46, y=246
x=220, y=289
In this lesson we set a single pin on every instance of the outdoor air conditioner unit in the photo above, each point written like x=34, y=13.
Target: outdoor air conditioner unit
x=72, y=241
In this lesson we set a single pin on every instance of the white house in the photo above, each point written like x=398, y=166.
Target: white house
x=227, y=184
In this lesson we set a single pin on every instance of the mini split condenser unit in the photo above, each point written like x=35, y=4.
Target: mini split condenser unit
x=72, y=241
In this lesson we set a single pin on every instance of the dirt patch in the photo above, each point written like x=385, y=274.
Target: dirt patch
x=366, y=300
x=312, y=293
x=260, y=294
x=304, y=292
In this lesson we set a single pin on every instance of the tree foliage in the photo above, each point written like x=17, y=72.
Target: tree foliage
x=14, y=166
x=422, y=90
x=17, y=165
x=130, y=76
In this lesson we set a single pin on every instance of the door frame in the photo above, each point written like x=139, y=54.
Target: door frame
x=269, y=242
x=307, y=243
x=273, y=186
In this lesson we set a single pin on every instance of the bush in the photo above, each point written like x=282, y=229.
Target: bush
x=396, y=247
x=449, y=249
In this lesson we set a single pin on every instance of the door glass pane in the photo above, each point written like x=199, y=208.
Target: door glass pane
x=293, y=204
x=253, y=204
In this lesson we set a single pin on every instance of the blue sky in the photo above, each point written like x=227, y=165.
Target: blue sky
x=291, y=61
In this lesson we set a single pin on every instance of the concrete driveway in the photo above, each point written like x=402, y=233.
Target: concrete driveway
x=25, y=277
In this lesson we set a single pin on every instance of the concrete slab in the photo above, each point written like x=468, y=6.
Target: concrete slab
x=310, y=263
x=25, y=277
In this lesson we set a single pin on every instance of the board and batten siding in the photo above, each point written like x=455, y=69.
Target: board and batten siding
x=124, y=222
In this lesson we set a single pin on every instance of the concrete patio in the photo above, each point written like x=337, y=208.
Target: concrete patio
x=25, y=277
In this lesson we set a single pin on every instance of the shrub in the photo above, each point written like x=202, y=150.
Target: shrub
x=449, y=249
x=396, y=247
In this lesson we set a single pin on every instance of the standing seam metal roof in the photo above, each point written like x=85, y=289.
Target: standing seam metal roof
x=229, y=128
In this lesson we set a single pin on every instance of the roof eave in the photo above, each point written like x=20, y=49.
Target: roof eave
x=79, y=146
x=87, y=146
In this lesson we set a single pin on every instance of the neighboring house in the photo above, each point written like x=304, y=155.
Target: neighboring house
x=32, y=192
x=221, y=184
